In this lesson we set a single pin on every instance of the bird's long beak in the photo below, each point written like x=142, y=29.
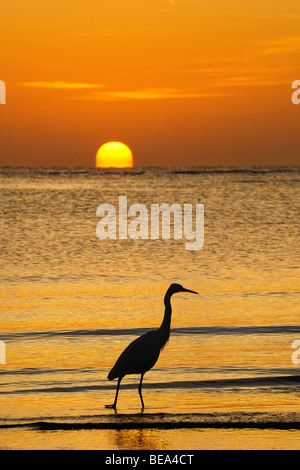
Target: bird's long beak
x=191, y=291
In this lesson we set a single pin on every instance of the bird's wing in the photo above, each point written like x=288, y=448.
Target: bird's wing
x=138, y=357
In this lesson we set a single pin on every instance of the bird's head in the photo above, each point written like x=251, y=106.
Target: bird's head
x=174, y=288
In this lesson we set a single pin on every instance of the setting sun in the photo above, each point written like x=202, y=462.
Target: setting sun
x=114, y=155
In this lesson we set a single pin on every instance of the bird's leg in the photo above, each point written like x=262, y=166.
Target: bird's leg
x=114, y=405
x=140, y=391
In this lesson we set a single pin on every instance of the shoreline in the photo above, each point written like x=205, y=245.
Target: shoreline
x=234, y=420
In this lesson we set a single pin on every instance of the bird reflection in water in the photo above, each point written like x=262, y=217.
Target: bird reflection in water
x=137, y=439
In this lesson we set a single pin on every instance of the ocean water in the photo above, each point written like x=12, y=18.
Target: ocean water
x=70, y=303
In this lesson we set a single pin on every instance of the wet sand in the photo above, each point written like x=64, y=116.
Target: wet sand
x=146, y=431
x=238, y=420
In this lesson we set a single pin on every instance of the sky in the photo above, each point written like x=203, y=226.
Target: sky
x=181, y=82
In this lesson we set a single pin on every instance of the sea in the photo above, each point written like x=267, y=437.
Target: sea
x=229, y=377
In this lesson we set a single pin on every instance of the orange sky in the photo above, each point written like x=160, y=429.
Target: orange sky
x=181, y=82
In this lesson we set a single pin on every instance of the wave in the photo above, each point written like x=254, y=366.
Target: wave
x=209, y=330
x=140, y=170
x=233, y=420
x=68, y=171
x=243, y=170
x=268, y=381
x=275, y=181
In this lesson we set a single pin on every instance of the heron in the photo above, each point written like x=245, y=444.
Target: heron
x=143, y=352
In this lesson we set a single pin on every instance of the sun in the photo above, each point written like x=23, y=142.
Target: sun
x=114, y=155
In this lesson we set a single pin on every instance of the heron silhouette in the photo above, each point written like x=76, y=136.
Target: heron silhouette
x=141, y=355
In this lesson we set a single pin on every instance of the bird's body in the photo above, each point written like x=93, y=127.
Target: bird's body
x=142, y=354
x=135, y=358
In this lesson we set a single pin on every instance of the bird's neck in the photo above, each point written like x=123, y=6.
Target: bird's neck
x=166, y=323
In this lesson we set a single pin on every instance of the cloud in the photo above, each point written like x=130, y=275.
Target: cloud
x=287, y=45
x=108, y=95
x=246, y=81
x=147, y=94
x=237, y=75
x=61, y=85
